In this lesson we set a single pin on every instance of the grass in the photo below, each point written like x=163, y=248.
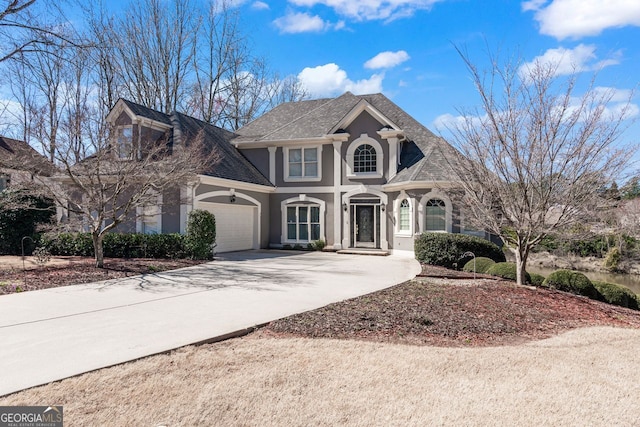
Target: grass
x=258, y=381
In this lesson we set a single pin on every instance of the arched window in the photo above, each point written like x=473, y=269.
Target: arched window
x=364, y=159
x=405, y=216
x=436, y=219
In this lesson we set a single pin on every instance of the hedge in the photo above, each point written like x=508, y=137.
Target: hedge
x=616, y=294
x=507, y=270
x=447, y=250
x=572, y=281
x=481, y=265
x=117, y=245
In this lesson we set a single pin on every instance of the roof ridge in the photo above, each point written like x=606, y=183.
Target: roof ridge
x=328, y=101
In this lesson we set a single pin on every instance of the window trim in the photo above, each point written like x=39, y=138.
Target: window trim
x=448, y=209
x=285, y=160
x=397, y=208
x=302, y=200
x=365, y=139
x=141, y=215
x=119, y=132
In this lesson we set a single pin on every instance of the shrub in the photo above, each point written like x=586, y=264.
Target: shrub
x=482, y=264
x=506, y=270
x=201, y=234
x=447, y=250
x=572, y=281
x=537, y=279
x=68, y=244
x=16, y=223
x=616, y=294
x=317, y=245
x=117, y=245
x=612, y=260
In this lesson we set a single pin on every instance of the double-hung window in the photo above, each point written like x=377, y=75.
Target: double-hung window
x=302, y=163
x=124, y=142
x=303, y=223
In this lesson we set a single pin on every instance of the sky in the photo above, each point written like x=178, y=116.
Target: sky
x=406, y=49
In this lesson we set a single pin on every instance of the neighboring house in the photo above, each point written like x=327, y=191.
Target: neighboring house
x=354, y=171
x=20, y=163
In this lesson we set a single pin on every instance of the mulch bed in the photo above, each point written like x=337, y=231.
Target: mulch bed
x=83, y=270
x=454, y=312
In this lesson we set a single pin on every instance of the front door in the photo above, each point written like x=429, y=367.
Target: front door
x=365, y=229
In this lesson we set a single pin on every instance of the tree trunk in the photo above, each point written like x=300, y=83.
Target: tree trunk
x=522, y=253
x=98, y=250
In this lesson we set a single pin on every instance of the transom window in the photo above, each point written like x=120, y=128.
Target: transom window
x=303, y=223
x=303, y=162
x=405, y=216
x=436, y=215
x=364, y=159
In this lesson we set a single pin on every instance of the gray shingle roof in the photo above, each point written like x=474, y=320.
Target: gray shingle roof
x=424, y=157
x=142, y=111
x=16, y=154
x=229, y=162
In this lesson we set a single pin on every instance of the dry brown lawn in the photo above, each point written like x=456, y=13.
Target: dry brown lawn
x=588, y=376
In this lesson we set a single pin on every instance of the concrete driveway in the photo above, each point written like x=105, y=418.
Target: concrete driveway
x=56, y=333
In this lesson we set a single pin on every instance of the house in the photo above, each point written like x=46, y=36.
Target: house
x=355, y=171
x=20, y=163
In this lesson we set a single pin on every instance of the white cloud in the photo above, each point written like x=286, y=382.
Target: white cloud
x=569, y=61
x=532, y=5
x=616, y=104
x=579, y=18
x=368, y=10
x=259, y=5
x=330, y=79
x=297, y=22
x=387, y=59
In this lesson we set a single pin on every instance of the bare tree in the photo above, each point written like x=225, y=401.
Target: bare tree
x=155, y=46
x=23, y=31
x=99, y=188
x=537, y=153
x=231, y=85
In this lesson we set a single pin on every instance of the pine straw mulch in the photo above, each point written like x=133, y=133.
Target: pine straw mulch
x=82, y=270
x=453, y=309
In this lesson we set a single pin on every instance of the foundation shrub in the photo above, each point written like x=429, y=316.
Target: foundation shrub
x=117, y=245
x=447, y=250
x=201, y=234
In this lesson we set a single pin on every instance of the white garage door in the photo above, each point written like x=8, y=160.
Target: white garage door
x=235, y=226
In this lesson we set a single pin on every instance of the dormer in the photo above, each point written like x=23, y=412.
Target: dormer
x=133, y=127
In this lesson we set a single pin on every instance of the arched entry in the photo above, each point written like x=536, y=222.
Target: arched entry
x=364, y=219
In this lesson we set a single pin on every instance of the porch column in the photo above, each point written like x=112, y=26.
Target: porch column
x=337, y=206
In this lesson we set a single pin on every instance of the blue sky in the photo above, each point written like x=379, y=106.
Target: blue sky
x=405, y=48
